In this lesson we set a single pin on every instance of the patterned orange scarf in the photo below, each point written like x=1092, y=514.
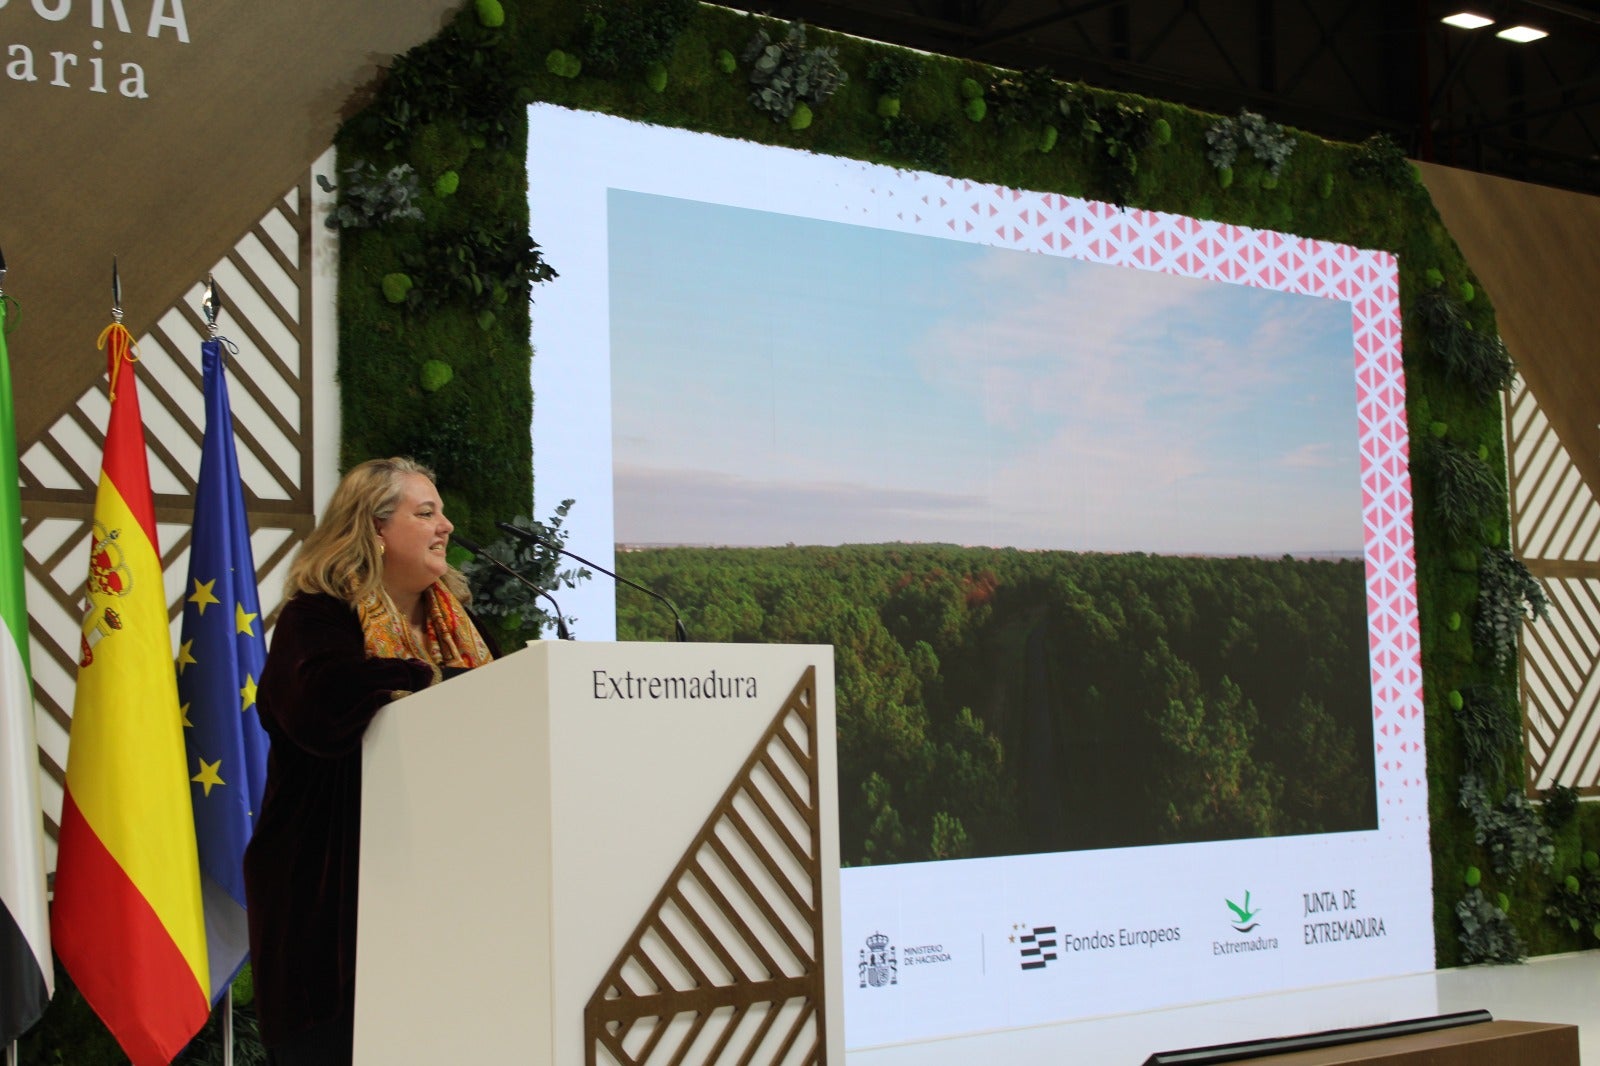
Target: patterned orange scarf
x=448, y=633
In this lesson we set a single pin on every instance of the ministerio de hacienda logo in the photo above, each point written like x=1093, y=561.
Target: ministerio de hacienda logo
x=877, y=967
x=1244, y=921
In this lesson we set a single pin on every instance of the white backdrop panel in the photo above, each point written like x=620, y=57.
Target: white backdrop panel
x=1133, y=929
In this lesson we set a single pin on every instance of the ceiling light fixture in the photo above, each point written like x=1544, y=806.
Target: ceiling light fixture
x=1467, y=20
x=1521, y=34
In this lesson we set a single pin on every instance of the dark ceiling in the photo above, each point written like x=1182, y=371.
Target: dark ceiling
x=1342, y=69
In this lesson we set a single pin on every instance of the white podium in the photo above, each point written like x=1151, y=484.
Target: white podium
x=605, y=854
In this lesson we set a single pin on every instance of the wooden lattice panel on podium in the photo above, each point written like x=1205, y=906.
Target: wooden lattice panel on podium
x=726, y=966
x=266, y=286
x=1555, y=527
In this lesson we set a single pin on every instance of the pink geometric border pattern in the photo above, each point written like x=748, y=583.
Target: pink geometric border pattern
x=1174, y=244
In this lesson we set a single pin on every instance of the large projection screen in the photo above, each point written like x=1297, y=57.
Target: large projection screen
x=1173, y=447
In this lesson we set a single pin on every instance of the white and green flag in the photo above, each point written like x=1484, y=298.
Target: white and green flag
x=26, y=974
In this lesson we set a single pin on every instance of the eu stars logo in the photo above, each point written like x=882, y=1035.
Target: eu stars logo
x=1036, y=944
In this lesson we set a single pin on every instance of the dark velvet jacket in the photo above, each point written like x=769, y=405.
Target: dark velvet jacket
x=317, y=693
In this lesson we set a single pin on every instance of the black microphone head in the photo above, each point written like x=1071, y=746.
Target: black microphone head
x=518, y=532
x=467, y=542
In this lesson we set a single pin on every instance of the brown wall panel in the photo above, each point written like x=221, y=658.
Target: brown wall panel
x=1537, y=252
x=231, y=118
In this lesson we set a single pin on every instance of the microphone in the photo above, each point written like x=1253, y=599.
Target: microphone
x=548, y=545
x=477, y=550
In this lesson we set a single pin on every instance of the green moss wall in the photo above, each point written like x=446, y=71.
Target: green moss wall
x=457, y=104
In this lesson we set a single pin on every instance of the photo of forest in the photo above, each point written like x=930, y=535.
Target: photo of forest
x=1000, y=702
x=1087, y=539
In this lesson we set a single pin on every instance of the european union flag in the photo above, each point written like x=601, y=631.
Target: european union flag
x=219, y=663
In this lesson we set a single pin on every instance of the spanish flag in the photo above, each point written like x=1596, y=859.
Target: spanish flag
x=127, y=920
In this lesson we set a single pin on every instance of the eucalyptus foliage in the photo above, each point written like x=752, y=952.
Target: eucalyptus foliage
x=1507, y=593
x=786, y=73
x=521, y=612
x=1487, y=934
x=368, y=197
x=1269, y=142
x=1511, y=831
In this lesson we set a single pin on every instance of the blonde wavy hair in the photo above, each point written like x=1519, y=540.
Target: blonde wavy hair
x=341, y=556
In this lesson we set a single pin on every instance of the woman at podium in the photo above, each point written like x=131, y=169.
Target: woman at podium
x=374, y=612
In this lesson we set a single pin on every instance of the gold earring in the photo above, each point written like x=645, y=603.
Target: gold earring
x=380, y=549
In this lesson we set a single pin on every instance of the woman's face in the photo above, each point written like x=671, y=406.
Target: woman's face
x=414, y=538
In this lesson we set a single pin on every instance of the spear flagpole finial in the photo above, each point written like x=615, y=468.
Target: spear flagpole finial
x=116, y=292
x=211, y=304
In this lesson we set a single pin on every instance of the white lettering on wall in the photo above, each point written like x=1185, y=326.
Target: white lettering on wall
x=98, y=85
x=164, y=15
x=21, y=66
x=97, y=15
x=133, y=82
x=174, y=20
x=86, y=67
x=63, y=60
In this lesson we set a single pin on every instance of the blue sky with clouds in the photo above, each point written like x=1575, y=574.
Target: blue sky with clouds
x=778, y=379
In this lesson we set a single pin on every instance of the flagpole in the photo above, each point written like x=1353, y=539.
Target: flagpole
x=227, y=1029
x=11, y=1054
x=211, y=307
